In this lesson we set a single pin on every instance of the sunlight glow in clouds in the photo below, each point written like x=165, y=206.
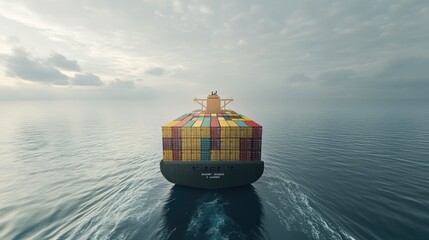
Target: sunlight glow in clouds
x=331, y=49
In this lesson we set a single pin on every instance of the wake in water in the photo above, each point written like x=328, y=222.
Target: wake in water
x=210, y=221
x=200, y=214
x=115, y=210
x=295, y=212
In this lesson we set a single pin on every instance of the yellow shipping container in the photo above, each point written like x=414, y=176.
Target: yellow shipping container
x=225, y=129
x=214, y=155
x=235, y=155
x=167, y=155
x=191, y=143
x=197, y=124
x=234, y=144
x=223, y=123
x=186, y=155
x=205, y=132
x=196, y=143
x=245, y=132
x=186, y=143
x=166, y=129
x=195, y=132
x=196, y=129
x=193, y=155
x=225, y=143
x=230, y=143
x=221, y=119
x=231, y=123
x=224, y=155
x=196, y=155
x=186, y=132
x=234, y=129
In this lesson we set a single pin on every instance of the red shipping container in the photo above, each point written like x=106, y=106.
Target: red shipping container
x=184, y=121
x=214, y=128
x=177, y=154
x=245, y=144
x=257, y=132
x=245, y=155
x=177, y=143
x=256, y=156
x=256, y=144
x=215, y=132
x=256, y=128
x=177, y=129
x=215, y=143
x=214, y=122
x=167, y=144
x=176, y=132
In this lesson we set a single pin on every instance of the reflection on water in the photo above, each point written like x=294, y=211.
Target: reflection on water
x=234, y=213
x=91, y=171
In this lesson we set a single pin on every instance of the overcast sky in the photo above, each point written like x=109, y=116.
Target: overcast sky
x=273, y=49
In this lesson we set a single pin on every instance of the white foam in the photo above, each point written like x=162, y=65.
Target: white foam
x=297, y=214
x=210, y=220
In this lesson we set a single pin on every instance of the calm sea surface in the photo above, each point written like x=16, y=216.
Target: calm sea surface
x=90, y=170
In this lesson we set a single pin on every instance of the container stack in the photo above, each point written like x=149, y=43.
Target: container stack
x=199, y=136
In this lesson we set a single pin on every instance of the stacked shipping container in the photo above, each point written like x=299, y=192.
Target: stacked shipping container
x=212, y=137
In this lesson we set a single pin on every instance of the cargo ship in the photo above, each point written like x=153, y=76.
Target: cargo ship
x=212, y=147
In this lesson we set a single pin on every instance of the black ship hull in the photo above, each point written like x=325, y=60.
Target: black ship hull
x=212, y=174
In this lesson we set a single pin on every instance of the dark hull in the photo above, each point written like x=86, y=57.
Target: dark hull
x=212, y=174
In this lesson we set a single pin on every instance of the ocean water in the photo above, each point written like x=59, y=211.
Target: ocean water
x=90, y=170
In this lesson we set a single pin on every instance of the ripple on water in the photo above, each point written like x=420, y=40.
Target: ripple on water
x=91, y=171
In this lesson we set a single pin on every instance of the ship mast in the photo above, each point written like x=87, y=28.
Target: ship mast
x=213, y=103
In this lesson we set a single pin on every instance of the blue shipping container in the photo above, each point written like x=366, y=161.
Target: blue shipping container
x=241, y=123
x=205, y=144
x=205, y=155
x=206, y=122
x=190, y=123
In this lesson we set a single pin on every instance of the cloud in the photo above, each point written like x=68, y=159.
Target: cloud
x=13, y=40
x=404, y=73
x=117, y=83
x=298, y=77
x=206, y=10
x=22, y=65
x=337, y=76
x=62, y=62
x=86, y=79
x=43, y=93
x=156, y=71
x=259, y=46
